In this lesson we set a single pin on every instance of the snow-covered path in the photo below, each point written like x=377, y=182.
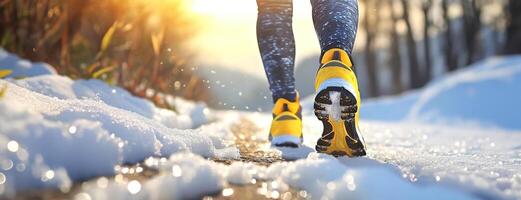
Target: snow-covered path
x=482, y=163
x=405, y=161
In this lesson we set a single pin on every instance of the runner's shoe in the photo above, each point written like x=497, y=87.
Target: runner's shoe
x=337, y=105
x=286, y=127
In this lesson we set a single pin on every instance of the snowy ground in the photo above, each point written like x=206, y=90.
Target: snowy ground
x=459, y=138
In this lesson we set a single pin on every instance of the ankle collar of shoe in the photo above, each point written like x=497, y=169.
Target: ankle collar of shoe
x=336, y=54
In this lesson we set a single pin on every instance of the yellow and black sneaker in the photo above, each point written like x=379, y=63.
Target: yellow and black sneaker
x=337, y=105
x=286, y=127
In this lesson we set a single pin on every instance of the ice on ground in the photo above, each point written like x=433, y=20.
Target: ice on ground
x=485, y=94
x=21, y=67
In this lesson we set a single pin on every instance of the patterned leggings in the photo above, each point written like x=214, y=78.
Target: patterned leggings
x=335, y=23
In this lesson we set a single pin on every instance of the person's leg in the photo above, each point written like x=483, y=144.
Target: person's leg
x=277, y=46
x=336, y=23
x=337, y=100
x=277, y=49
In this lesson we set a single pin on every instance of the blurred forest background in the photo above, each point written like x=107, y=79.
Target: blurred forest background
x=136, y=44
x=140, y=44
x=415, y=41
x=407, y=43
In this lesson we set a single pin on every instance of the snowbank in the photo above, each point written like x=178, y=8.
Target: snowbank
x=88, y=137
x=486, y=94
x=54, y=130
x=66, y=89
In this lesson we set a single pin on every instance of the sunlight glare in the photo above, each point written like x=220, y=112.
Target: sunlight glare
x=220, y=7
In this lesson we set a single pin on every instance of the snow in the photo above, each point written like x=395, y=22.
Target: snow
x=21, y=67
x=238, y=174
x=485, y=94
x=334, y=108
x=68, y=130
x=458, y=138
x=64, y=88
x=482, y=162
x=325, y=176
x=319, y=175
x=461, y=131
x=197, y=112
x=394, y=108
x=408, y=161
x=183, y=176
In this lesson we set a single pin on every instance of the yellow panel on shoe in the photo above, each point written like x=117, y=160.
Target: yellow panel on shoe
x=336, y=54
x=293, y=107
x=339, y=143
x=286, y=127
x=335, y=69
x=286, y=123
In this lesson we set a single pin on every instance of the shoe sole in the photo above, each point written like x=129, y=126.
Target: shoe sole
x=336, y=107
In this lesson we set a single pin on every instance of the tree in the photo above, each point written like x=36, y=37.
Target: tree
x=513, y=43
x=472, y=23
x=450, y=58
x=396, y=60
x=426, y=5
x=370, y=25
x=414, y=70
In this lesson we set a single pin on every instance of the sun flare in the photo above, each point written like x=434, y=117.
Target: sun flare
x=221, y=7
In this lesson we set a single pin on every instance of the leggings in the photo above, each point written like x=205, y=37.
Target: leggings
x=335, y=24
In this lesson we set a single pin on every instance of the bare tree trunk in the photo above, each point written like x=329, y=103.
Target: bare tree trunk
x=426, y=40
x=396, y=60
x=450, y=59
x=513, y=43
x=414, y=70
x=472, y=20
x=370, y=57
x=14, y=26
x=499, y=31
x=4, y=22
